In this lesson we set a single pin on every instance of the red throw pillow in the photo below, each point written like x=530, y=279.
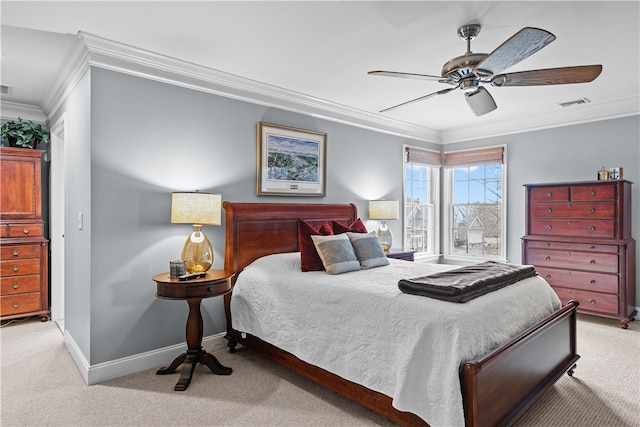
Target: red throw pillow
x=357, y=227
x=309, y=258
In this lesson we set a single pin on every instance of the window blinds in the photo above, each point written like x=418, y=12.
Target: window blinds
x=420, y=155
x=483, y=156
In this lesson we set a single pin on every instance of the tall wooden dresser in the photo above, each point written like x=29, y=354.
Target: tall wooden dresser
x=578, y=236
x=24, y=251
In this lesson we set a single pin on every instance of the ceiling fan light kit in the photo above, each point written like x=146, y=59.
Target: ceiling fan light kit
x=467, y=72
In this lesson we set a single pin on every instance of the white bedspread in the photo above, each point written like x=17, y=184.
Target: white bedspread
x=360, y=326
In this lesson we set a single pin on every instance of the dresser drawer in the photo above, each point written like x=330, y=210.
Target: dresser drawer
x=550, y=194
x=19, y=267
x=573, y=227
x=19, y=284
x=589, y=301
x=25, y=230
x=588, y=281
x=573, y=260
x=18, y=304
x=593, y=192
x=573, y=210
x=19, y=252
x=570, y=246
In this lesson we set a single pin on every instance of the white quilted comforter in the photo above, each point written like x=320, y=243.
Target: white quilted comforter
x=360, y=326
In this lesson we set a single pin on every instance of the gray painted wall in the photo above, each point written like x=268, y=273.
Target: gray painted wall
x=149, y=139
x=133, y=141
x=77, y=114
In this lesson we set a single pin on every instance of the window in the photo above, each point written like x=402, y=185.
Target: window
x=476, y=206
x=421, y=183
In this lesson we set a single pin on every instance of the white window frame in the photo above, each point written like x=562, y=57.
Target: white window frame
x=434, y=191
x=448, y=214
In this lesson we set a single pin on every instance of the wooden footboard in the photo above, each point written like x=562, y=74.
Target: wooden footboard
x=501, y=386
x=497, y=389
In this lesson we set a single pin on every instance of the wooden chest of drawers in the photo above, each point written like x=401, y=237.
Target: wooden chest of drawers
x=24, y=251
x=578, y=236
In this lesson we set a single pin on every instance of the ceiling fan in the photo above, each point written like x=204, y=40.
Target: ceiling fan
x=467, y=72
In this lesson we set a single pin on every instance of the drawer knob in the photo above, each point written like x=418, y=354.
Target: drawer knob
x=592, y=281
x=548, y=276
x=548, y=226
x=15, y=268
x=592, y=301
x=547, y=257
x=15, y=252
x=15, y=286
x=210, y=289
x=549, y=194
x=16, y=304
x=592, y=210
x=593, y=261
x=593, y=246
x=591, y=228
x=592, y=193
x=549, y=210
x=25, y=230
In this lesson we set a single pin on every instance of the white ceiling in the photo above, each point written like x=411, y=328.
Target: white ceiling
x=323, y=50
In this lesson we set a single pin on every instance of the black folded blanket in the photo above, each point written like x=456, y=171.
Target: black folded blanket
x=466, y=283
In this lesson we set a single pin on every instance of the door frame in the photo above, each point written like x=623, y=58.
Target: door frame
x=57, y=208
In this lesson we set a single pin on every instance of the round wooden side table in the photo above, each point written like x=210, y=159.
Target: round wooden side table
x=215, y=283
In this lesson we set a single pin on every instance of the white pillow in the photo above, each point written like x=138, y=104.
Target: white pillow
x=368, y=249
x=336, y=253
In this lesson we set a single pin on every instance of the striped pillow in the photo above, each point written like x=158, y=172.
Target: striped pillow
x=336, y=253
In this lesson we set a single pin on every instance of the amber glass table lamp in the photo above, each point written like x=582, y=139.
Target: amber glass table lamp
x=198, y=209
x=384, y=210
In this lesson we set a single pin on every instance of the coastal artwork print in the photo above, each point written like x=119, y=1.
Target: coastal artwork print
x=291, y=161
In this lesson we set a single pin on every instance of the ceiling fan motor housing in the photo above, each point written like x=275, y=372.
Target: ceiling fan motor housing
x=462, y=67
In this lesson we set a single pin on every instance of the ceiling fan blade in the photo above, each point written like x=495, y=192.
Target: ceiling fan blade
x=549, y=76
x=520, y=46
x=480, y=101
x=440, y=92
x=406, y=75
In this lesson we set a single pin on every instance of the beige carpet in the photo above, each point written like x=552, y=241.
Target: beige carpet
x=41, y=386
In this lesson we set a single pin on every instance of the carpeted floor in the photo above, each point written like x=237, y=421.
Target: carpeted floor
x=41, y=386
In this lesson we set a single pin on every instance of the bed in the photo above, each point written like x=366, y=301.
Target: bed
x=496, y=387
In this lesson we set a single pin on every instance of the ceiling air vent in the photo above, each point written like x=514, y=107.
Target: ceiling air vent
x=576, y=102
x=4, y=89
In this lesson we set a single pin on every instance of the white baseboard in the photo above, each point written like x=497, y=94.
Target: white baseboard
x=101, y=372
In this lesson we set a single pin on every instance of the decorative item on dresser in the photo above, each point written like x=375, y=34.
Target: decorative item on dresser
x=24, y=250
x=578, y=236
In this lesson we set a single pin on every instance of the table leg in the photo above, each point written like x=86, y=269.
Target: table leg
x=195, y=354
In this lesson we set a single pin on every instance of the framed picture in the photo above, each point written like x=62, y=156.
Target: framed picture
x=291, y=162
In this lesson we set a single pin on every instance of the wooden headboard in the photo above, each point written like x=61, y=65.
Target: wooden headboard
x=258, y=229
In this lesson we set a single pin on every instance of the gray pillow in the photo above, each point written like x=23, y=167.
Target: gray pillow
x=368, y=249
x=336, y=253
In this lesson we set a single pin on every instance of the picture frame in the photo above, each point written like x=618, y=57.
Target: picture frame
x=290, y=161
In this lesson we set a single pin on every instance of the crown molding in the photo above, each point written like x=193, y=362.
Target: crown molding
x=13, y=110
x=92, y=51
x=565, y=117
x=75, y=65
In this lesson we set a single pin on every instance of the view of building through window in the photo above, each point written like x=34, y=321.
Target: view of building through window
x=476, y=211
x=421, y=173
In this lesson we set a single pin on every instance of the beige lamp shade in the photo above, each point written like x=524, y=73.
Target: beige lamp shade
x=196, y=208
x=383, y=209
